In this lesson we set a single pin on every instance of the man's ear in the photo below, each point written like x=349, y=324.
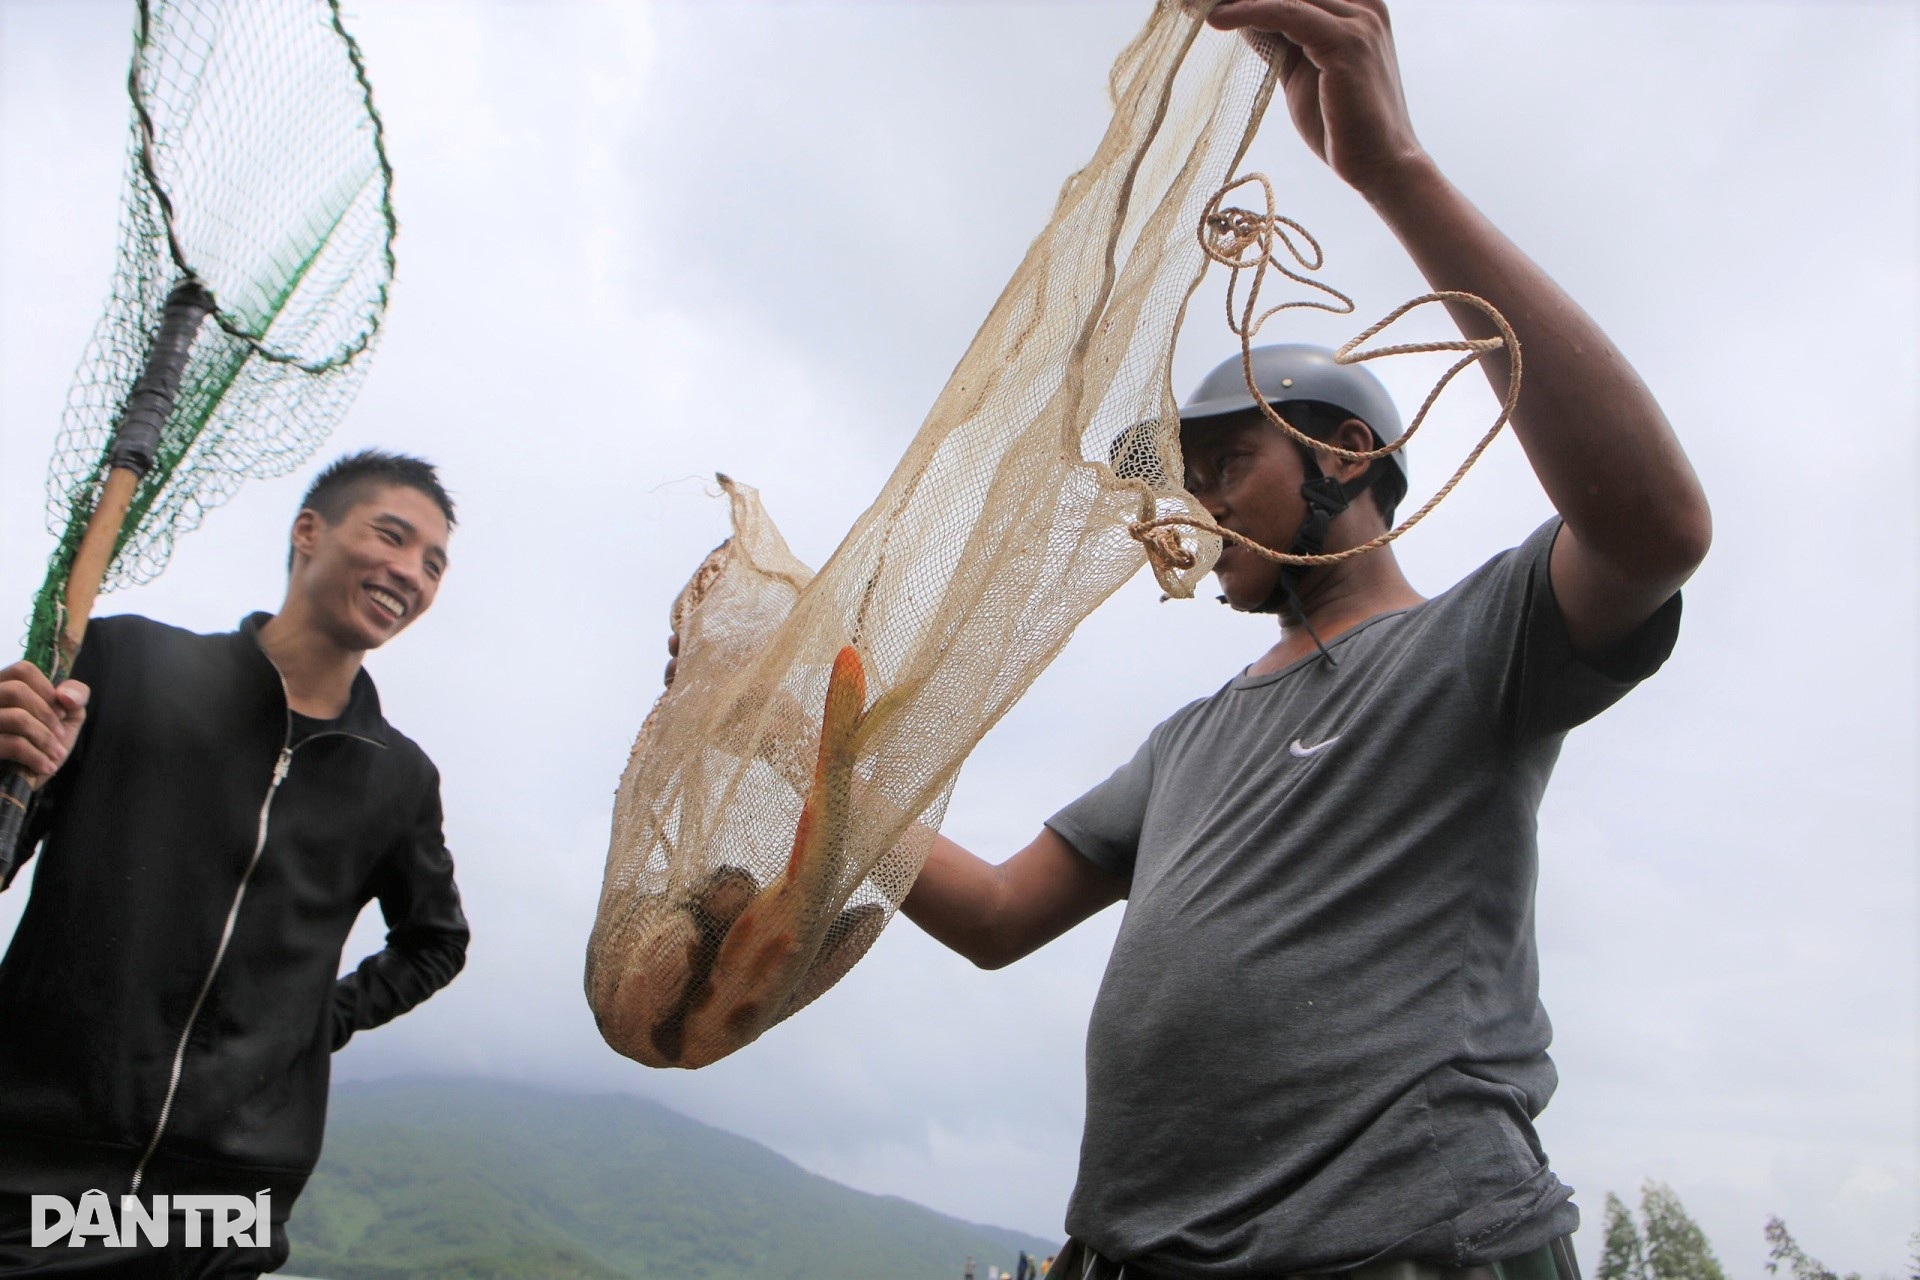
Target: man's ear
x=1356, y=437
x=306, y=529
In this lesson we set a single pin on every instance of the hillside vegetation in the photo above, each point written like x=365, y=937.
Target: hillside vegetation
x=443, y=1180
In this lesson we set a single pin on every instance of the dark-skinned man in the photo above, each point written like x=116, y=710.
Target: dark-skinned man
x=1318, y=1047
x=212, y=814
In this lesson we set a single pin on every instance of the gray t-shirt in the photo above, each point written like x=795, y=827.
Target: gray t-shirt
x=1319, y=1041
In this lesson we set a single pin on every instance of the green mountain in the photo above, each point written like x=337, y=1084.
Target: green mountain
x=466, y=1180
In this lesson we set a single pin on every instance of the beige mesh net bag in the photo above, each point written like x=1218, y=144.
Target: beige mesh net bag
x=784, y=792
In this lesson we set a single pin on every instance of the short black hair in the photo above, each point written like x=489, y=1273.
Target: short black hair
x=1320, y=420
x=347, y=480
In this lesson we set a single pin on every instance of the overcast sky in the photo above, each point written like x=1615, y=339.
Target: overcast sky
x=641, y=244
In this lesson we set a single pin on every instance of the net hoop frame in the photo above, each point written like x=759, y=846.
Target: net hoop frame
x=149, y=171
x=278, y=425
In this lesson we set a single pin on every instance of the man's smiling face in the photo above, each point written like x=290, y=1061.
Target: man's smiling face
x=367, y=576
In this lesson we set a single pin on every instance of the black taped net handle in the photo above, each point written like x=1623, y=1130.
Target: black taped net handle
x=136, y=443
x=16, y=793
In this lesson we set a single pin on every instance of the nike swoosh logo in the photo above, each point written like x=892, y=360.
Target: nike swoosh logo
x=1300, y=749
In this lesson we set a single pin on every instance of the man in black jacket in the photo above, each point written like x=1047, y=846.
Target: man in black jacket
x=214, y=812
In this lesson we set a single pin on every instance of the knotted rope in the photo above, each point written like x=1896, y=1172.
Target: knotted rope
x=1245, y=240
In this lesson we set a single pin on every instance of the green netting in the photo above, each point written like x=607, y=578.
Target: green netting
x=256, y=166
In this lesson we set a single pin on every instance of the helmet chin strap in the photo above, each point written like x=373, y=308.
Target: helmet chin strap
x=1326, y=498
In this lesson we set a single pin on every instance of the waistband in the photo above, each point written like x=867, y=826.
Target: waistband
x=1553, y=1260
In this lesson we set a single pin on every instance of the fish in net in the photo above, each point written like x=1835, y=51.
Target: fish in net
x=256, y=254
x=784, y=792
x=754, y=856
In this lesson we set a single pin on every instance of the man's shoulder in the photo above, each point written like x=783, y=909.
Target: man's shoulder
x=134, y=627
x=1197, y=709
x=366, y=715
x=130, y=637
x=1193, y=719
x=1517, y=561
x=405, y=748
x=121, y=626
x=1500, y=585
x=408, y=763
x=412, y=779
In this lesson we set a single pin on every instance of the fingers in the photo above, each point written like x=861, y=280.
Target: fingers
x=673, y=658
x=39, y=756
x=72, y=697
x=1243, y=13
x=26, y=741
x=1314, y=24
x=38, y=722
x=32, y=720
x=1343, y=86
x=24, y=672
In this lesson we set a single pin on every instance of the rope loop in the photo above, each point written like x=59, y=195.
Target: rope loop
x=1167, y=555
x=1246, y=240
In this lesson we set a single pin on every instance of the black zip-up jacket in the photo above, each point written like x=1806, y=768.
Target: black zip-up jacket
x=170, y=999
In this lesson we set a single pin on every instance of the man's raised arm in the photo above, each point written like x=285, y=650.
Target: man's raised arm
x=1636, y=520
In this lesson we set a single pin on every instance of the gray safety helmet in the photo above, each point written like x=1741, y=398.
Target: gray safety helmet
x=1296, y=371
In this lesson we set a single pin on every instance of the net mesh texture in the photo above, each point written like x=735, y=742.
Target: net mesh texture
x=784, y=792
x=256, y=165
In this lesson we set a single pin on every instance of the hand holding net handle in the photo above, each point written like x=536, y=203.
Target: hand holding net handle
x=136, y=443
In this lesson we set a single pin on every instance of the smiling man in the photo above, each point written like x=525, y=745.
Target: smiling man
x=213, y=813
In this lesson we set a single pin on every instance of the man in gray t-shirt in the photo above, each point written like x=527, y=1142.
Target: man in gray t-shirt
x=1319, y=1045
x=1319, y=1040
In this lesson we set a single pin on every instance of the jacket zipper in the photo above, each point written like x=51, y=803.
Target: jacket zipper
x=280, y=767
